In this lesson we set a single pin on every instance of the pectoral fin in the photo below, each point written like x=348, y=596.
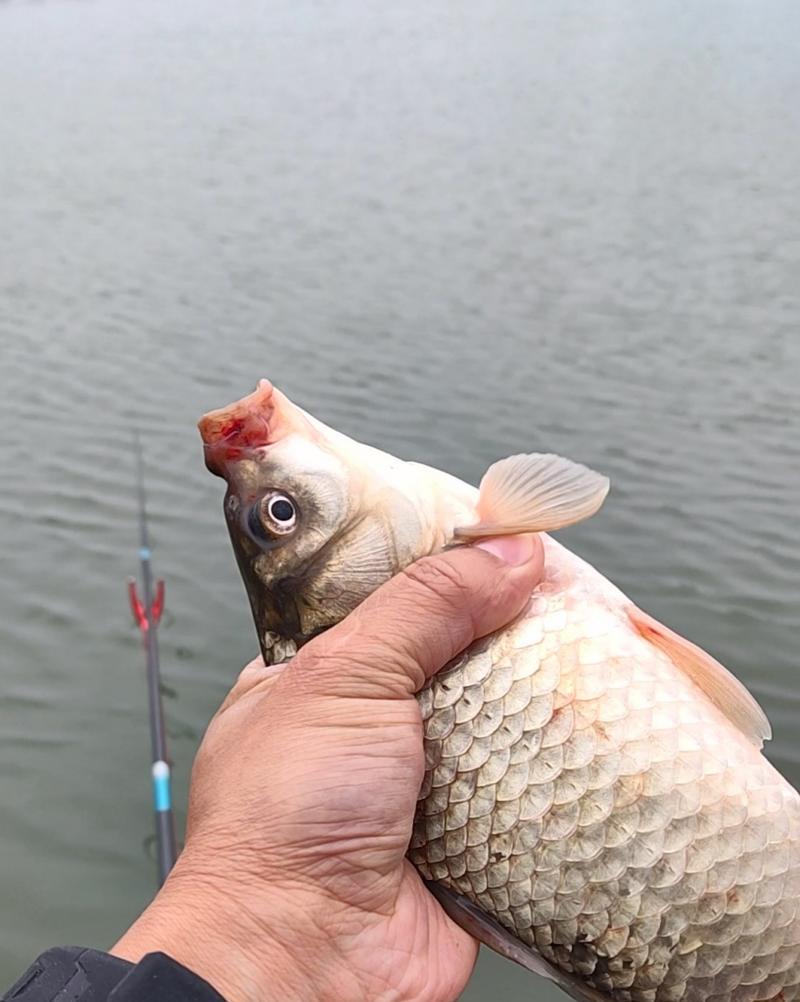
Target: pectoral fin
x=534, y=492
x=489, y=932
x=724, y=690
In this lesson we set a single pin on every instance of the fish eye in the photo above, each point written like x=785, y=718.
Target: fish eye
x=279, y=511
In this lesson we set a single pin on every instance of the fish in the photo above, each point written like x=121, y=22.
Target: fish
x=596, y=805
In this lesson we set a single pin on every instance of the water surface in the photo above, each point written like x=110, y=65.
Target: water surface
x=456, y=231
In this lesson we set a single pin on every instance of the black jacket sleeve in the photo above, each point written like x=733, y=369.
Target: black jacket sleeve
x=74, y=973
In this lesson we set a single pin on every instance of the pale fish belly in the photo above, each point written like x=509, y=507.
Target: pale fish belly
x=584, y=793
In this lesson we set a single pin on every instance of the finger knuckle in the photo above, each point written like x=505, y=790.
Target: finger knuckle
x=367, y=667
x=440, y=579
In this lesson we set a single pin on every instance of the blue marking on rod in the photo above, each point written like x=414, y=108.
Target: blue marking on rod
x=144, y=553
x=162, y=800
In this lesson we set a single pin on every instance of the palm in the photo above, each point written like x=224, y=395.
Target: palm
x=416, y=952
x=408, y=947
x=355, y=789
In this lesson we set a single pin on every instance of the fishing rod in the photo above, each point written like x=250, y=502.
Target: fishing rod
x=147, y=613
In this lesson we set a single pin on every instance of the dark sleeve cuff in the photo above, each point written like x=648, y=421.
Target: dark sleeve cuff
x=82, y=975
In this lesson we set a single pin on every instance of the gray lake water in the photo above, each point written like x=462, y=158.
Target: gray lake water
x=454, y=230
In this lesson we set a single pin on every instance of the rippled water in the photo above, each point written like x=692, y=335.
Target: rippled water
x=456, y=231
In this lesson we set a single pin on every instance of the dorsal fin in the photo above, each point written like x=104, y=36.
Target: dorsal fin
x=534, y=492
x=724, y=690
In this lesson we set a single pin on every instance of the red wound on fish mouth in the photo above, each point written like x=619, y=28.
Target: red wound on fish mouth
x=234, y=431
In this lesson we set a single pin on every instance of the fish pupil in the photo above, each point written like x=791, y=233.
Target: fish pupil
x=282, y=510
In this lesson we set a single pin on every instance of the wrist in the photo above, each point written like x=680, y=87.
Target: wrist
x=263, y=944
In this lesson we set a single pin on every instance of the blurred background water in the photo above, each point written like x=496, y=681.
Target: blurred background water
x=455, y=231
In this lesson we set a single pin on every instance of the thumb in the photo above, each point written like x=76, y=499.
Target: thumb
x=417, y=621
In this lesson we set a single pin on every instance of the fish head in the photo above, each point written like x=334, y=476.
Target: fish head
x=317, y=520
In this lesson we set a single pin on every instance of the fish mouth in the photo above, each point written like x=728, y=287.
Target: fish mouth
x=234, y=432
x=246, y=427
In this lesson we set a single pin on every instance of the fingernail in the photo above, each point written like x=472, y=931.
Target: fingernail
x=514, y=550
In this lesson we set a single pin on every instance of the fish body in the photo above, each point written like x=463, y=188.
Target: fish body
x=579, y=791
x=595, y=802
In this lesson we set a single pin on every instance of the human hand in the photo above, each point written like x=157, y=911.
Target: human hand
x=293, y=883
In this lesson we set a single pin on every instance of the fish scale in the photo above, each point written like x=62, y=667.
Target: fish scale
x=579, y=792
